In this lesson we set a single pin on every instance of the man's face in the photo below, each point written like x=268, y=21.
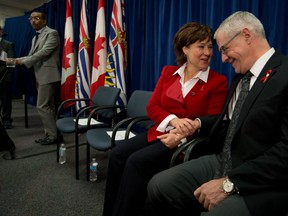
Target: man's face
x=37, y=21
x=233, y=50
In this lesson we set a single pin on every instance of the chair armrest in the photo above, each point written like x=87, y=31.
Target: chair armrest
x=62, y=105
x=135, y=121
x=97, y=108
x=131, y=122
x=196, y=148
x=117, y=126
x=188, y=149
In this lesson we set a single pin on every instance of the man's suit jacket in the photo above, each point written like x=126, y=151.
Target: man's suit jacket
x=259, y=148
x=7, y=47
x=203, y=99
x=44, y=56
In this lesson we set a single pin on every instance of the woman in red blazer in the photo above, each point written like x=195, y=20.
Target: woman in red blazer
x=183, y=92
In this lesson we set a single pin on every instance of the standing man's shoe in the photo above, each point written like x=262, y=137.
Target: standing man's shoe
x=7, y=124
x=41, y=139
x=10, y=154
x=48, y=140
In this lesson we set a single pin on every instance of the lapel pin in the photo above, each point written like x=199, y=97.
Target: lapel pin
x=265, y=78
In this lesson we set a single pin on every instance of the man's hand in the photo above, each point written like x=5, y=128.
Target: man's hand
x=169, y=140
x=19, y=62
x=181, y=123
x=187, y=128
x=211, y=193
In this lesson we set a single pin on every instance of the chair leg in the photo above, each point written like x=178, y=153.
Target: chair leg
x=77, y=155
x=87, y=161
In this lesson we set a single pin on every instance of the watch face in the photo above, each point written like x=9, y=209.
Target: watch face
x=228, y=186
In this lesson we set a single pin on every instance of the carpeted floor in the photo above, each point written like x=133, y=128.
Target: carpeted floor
x=35, y=184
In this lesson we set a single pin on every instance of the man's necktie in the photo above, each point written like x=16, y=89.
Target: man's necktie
x=226, y=162
x=36, y=38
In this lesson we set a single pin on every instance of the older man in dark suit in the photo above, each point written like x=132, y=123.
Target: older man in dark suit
x=44, y=58
x=6, y=80
x=249, y=175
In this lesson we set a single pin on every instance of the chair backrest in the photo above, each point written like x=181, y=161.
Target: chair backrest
x=105, y=96
x=137, y=103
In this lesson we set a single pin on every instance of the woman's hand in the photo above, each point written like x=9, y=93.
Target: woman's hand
x=169, y=140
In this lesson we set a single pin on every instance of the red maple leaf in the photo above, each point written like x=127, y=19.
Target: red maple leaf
x=68, y=49
x=98, y=46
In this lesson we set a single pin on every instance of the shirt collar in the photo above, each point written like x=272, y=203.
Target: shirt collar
x=202, y=74
x=40, y=30
x=260, y=63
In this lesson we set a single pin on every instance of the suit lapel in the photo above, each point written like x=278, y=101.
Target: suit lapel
x=40, y=36
x=37, y=42
x=258, y=86
x=232, y=88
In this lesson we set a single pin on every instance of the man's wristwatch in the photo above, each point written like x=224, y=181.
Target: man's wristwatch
x=229, y=186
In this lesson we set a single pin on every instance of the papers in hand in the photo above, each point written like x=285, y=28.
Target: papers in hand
x=84, y=121
x=3, y=55
x=120, y=134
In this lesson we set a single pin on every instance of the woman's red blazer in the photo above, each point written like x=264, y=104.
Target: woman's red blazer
x=203, y=99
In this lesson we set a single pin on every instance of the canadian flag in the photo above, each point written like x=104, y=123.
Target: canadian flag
x=68, y=58
x=100, y=50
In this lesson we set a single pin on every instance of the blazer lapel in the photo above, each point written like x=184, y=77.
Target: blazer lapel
x=175, y=92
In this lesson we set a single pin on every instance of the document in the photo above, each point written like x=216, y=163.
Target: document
x=84, y=121
x=120, y=134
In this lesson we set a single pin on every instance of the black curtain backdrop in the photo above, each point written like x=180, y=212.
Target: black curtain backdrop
x=150, y=27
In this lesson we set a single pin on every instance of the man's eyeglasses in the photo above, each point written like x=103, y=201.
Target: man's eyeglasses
x=34, y=18
x=223, y=48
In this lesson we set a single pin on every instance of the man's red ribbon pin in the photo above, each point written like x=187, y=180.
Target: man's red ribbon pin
x=265, y=78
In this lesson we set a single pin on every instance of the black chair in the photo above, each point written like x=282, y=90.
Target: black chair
x=135, y=121
x=103, y=98
x=193, y=149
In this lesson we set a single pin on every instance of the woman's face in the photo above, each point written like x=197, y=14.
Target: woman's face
x=199, y=54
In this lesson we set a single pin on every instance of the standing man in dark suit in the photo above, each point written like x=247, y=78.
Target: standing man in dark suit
x=6, y=143
x=252, y=180
x=44, y=58
x=6, y=81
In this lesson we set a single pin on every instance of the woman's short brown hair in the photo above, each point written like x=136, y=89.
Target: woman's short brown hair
x=187, y=35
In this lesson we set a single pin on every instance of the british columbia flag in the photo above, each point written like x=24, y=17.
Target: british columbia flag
x=116, y=58
x=83, y=67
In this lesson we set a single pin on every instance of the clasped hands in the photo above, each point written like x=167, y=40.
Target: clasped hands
x=183, y=127
x=15, y=60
